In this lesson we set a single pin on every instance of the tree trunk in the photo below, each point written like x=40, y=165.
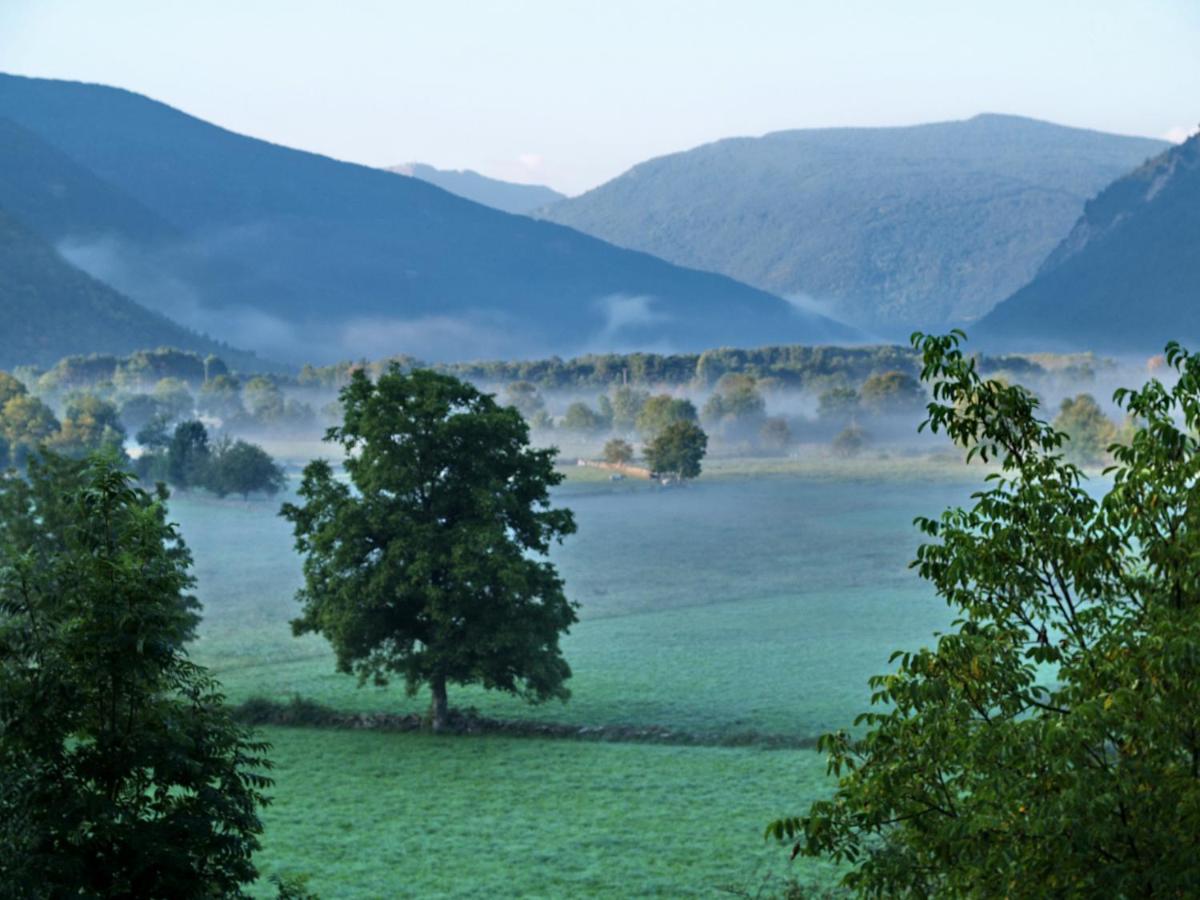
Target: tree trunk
x=438, y=708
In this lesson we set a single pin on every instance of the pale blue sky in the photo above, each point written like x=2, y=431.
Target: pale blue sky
x=572, y=93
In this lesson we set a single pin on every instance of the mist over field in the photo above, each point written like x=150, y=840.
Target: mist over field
x=625, y=451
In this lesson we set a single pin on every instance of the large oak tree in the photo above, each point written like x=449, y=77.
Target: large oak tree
x=430, y=564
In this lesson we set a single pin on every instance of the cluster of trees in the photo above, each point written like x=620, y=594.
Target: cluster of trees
x=27, y=423
x=185, y=458
x=174, y=385
x=181, y=456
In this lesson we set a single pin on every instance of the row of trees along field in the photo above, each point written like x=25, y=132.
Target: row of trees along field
x=856, y=392
x=980, y=772
x=795, y=367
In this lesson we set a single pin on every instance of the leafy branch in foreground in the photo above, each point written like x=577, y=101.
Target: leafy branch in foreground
x=1049, y=743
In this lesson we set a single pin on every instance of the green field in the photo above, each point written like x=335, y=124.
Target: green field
x=730, y=609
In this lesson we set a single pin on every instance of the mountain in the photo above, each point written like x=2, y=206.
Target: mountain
x=887, y=227
x=51, y=309
x=58, y=198
x=307, y=258
x=503, y=195
x=1126, y=278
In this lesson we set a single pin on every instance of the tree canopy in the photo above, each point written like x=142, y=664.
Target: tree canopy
x=121, y=774
x=1047, y=743
x=430, y=565
x=678, y=450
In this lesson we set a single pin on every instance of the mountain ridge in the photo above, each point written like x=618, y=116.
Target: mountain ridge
x=308, y=258
x=923, y=225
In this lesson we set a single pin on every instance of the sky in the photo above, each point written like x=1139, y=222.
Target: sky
x=571, y=93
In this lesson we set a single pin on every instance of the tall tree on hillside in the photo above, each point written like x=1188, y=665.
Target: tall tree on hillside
x=121, y=774
x=430, y=565
x=1047, y=743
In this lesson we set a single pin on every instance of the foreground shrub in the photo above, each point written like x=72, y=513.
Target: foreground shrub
x=1049, y=743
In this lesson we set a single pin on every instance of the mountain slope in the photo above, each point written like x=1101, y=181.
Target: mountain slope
x=51, y=309
x=1127, y=277
x=507, y=196
x=58, y=198
x=307, y=258
x=890, y=227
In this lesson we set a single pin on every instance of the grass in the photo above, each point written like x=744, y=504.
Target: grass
x=377, y=815
x=732, y=607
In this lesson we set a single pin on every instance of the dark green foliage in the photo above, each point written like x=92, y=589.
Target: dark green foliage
x=1046, y=744
x=677, y=450
x=188, y=455
x=1089, y=430
x=430, y=564
x=186, y=459
x=340, y=243
x=924, y=225
x=121, y=774
x=238, y=467
x=155, y=434
x=661, y=411
x=618, y=452
x=1127, y=276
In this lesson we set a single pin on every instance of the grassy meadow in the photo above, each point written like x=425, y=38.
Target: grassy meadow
x=734, y=609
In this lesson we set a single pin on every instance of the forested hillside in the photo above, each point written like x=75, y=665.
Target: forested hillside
x=887, y=227
x=51, y=309
x=1127, y=278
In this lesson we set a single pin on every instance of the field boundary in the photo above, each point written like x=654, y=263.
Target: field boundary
x=303, y=713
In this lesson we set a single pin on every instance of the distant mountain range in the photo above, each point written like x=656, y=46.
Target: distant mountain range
x=507, y=196
x=1127, y=277
x=50, y=310
x=888, y=228
x=305, y=258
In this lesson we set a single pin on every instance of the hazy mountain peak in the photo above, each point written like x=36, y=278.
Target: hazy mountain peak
x=508, y=196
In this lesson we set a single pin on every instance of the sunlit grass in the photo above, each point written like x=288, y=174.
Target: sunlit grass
x=726, y=608
x=384, y=815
